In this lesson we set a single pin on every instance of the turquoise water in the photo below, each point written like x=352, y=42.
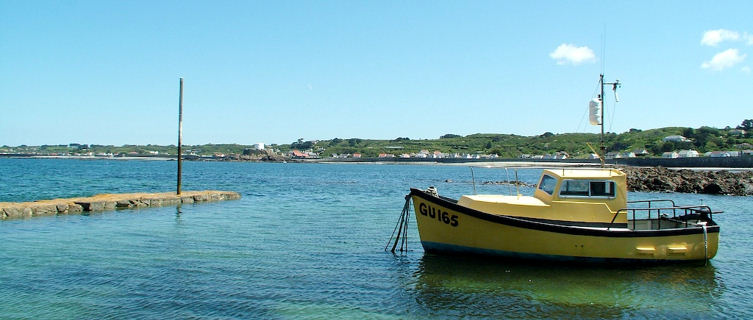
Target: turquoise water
x=306, y=241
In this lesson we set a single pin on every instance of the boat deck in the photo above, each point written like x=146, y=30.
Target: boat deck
x=646, y=215
x=515, y=200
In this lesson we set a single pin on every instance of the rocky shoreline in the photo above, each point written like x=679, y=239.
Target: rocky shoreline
x=660, y=179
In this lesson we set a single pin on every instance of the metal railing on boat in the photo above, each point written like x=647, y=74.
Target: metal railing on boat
x=685, y=212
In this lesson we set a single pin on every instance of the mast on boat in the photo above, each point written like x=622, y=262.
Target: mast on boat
x=599, y=107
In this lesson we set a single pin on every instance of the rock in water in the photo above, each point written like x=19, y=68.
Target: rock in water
x=689, y=181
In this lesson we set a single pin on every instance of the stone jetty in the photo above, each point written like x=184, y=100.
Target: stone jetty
x=104, y=202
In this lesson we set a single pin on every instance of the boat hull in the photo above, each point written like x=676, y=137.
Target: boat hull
x=445, y=226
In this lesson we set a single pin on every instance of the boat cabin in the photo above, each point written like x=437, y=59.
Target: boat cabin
x=603, y=186
x=585, y=197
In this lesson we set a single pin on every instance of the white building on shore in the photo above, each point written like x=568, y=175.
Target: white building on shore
x=687, y=154
x=670, y=155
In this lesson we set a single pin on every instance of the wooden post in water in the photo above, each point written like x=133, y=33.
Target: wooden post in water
x=180, y=134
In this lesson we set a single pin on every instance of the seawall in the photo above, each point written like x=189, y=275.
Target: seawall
x=699, y=162
x=105, y=202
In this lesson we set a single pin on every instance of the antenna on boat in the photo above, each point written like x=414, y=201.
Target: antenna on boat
x=596, y=112
x=601, y=159
x=509, y=187
x=473, y=180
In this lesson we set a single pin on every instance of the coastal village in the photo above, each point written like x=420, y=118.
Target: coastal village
x=660, y=143
x=263, y=152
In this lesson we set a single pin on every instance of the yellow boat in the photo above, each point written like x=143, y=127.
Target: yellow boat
x=573, y=215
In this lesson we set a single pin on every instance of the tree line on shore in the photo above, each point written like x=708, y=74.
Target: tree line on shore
x=653, y=141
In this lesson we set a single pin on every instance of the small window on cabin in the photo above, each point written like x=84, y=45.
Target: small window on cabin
x=547, y=184
x=574, y=188
x=587, y=188
x=602, y=188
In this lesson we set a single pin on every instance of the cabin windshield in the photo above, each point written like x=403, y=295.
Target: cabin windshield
x=587, y=188
x=547, y=184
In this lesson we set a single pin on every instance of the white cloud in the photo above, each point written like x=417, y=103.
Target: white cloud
x=745, y=69
x=723, y=60
x=714, y=37
x=568, y=53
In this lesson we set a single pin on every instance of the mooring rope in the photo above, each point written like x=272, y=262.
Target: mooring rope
x=401, y=228
x=705, y=245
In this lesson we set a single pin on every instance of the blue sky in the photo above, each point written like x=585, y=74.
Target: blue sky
x=106, y=72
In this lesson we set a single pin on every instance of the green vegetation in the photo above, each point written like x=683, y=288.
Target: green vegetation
x=513, y=146
x=701, y=139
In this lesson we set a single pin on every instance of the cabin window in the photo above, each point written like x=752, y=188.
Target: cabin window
x=574, y=188
x=587, y=188
x=602, y=188
x=547, y=184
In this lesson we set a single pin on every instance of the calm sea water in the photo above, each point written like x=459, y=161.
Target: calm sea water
x=306, y=241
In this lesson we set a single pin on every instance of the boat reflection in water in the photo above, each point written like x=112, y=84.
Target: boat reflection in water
x=540, y=290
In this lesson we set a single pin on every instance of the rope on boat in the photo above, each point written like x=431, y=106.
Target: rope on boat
x=705, y=244
x=401, y=229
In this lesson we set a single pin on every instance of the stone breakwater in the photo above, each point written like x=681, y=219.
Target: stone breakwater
x=689, y=181
x=104, y=202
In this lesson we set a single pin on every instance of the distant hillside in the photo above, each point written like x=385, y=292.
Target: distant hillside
x=513, y=146
x=702, y=139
